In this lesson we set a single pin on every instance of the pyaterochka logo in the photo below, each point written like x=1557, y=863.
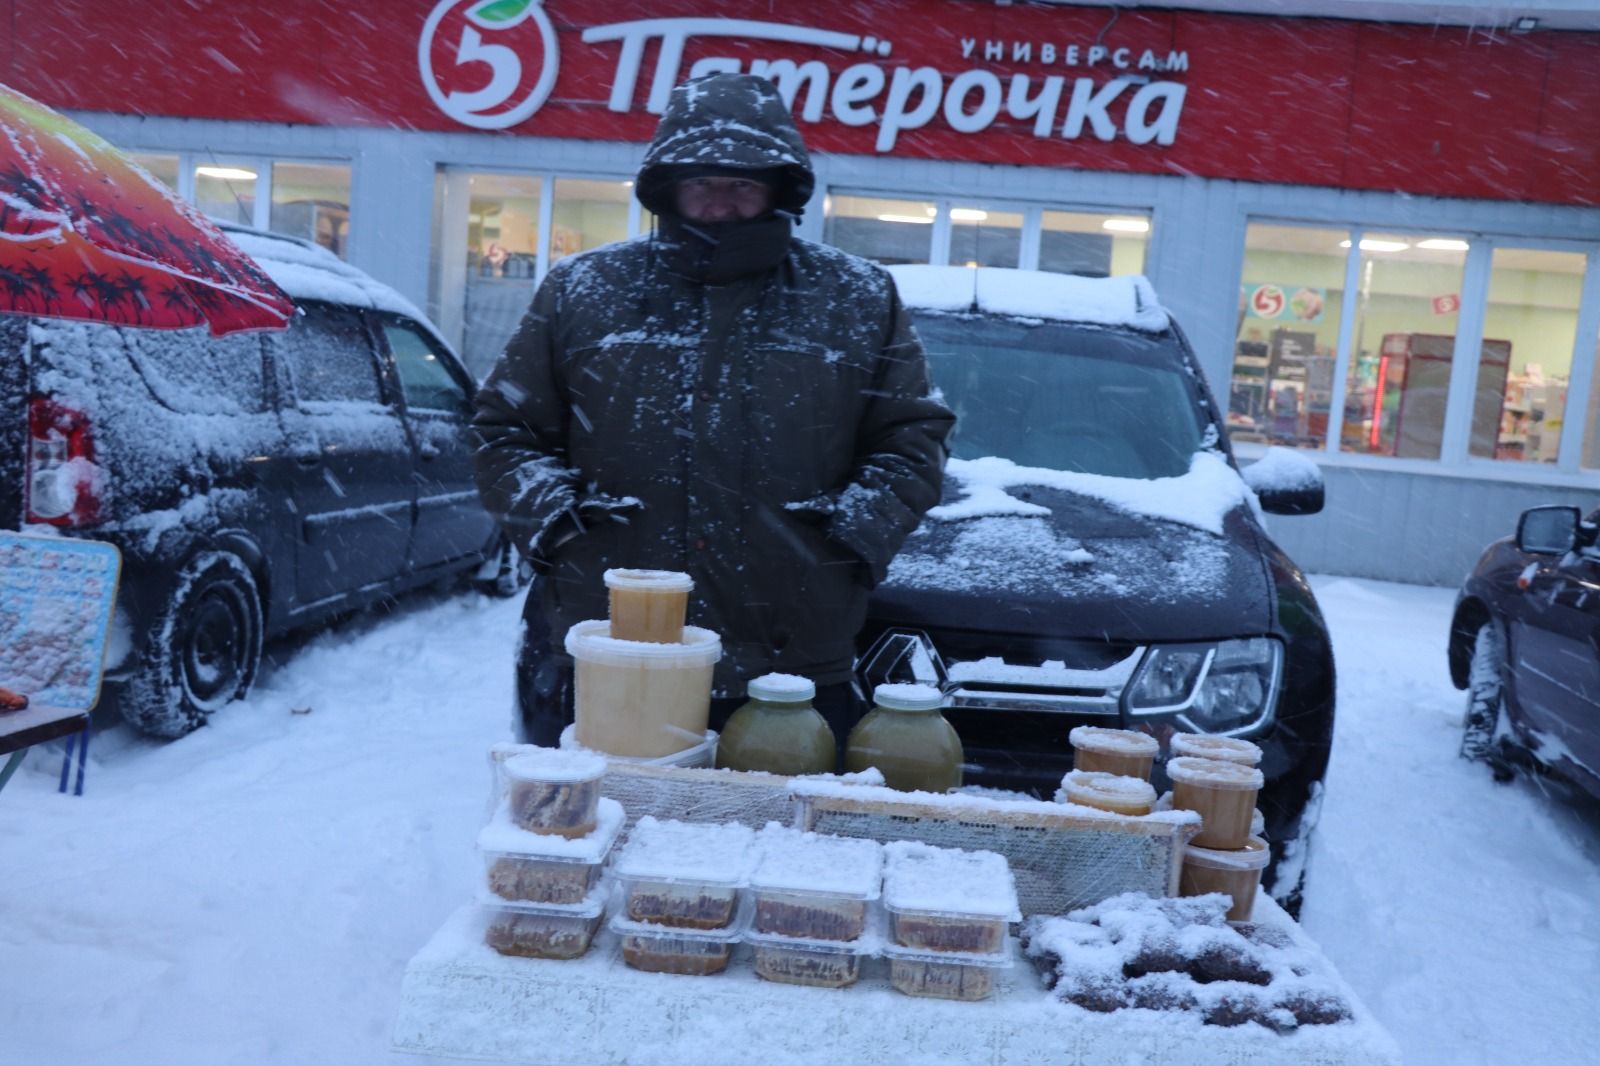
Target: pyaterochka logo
x=488, y=64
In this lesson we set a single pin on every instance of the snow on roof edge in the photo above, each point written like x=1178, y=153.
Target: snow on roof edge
x=1128, y=301
x=308, y=271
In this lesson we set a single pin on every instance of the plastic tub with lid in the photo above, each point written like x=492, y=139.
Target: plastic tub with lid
x=640, y=699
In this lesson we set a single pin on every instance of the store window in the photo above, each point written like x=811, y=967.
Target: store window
x=227, y=191
x=164, y=168
x=889, y=231
x=1530, y=326
x=312, y=200
x=298, y=199
x=502, y=253
x=1095, y=245
x=587, y=214
x=1408, y=306
x=1291, y=295
x=984, y=238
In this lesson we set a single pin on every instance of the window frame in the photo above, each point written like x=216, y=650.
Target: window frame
x=388, y=391
x=261, y=209
x=376, y=320
x=1031, y=210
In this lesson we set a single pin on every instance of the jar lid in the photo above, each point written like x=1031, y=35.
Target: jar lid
x=649, y=580
x=1094, y=784
x=782, y=688
x=1113, y=741
x=908, y=697
x=1228, y=749
x=1214, y=774
x=1255, y=855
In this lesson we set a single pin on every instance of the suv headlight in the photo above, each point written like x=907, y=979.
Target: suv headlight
x=1230, y=686
x=901, y=657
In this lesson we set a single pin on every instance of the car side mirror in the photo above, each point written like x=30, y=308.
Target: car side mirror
x=1286, y=482
x=1548, y=530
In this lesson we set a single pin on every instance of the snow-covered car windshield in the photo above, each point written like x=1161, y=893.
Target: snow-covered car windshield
x=1064, y=397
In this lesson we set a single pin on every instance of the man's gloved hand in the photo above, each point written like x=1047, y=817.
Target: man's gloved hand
x=591, y=509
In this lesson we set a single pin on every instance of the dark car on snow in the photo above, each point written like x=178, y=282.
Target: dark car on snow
x=254, y=483
x=1525, y=645
x=1098, y=559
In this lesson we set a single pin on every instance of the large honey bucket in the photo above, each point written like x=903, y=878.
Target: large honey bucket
x=638, y=699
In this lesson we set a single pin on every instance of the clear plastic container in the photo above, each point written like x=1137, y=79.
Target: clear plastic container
x=702, y=756
x=683, y=874
x=552, y=791
x=640, y=699
x=1107, y=792
x=1222, y=793
x=812, y=886
x=1206, y=746
x=819, y=963
x=1113, y=751
x=525, y=867
x=938, y=975
x=945, y=899
x=1236, y=874
x=690, y=952
x=648, y=605
x=543, y=932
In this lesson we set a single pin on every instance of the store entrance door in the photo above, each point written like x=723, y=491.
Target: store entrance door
x=499, y=234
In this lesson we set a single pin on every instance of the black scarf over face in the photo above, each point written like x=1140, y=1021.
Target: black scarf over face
x=715, y=253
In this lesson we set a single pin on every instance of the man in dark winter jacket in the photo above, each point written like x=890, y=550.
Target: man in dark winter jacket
x=719, y=398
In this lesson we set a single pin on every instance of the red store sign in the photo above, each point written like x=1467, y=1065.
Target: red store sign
x=1300, y=101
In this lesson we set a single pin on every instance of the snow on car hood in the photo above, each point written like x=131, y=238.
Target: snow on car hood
x=1018, y=549
x=1128, y=301
x=1200, y=498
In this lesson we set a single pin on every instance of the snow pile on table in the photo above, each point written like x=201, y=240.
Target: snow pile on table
x=1132, y=952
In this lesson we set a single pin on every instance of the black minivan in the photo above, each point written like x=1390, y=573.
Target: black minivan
x=1098, y=558
x=254, y=483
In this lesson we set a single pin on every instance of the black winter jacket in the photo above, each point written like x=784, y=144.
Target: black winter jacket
x=778, y=432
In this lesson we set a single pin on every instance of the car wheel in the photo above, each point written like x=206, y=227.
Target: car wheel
x=203, y=650
x=1482, y=734
x=506, y=572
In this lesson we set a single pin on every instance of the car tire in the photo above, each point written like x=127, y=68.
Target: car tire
x=506, y=572
x=203, y=651
x=1482, y=735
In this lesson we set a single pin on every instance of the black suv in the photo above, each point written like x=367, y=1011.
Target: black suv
x=1098, y=558
x=254, y=483
x=1525, y=644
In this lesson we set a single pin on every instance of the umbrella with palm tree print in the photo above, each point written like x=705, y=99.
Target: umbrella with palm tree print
x=85, y=232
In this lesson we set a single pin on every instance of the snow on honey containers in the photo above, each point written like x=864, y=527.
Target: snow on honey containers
x=1222, y=793
x=1113, y=751
x=648, y=605
x=1107, y=792
x=1205, y=746
x=641, y=699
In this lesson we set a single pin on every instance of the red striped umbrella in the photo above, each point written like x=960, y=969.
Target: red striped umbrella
x=85, y=232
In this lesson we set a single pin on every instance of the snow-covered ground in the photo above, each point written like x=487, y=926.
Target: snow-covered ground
x=251, y=893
